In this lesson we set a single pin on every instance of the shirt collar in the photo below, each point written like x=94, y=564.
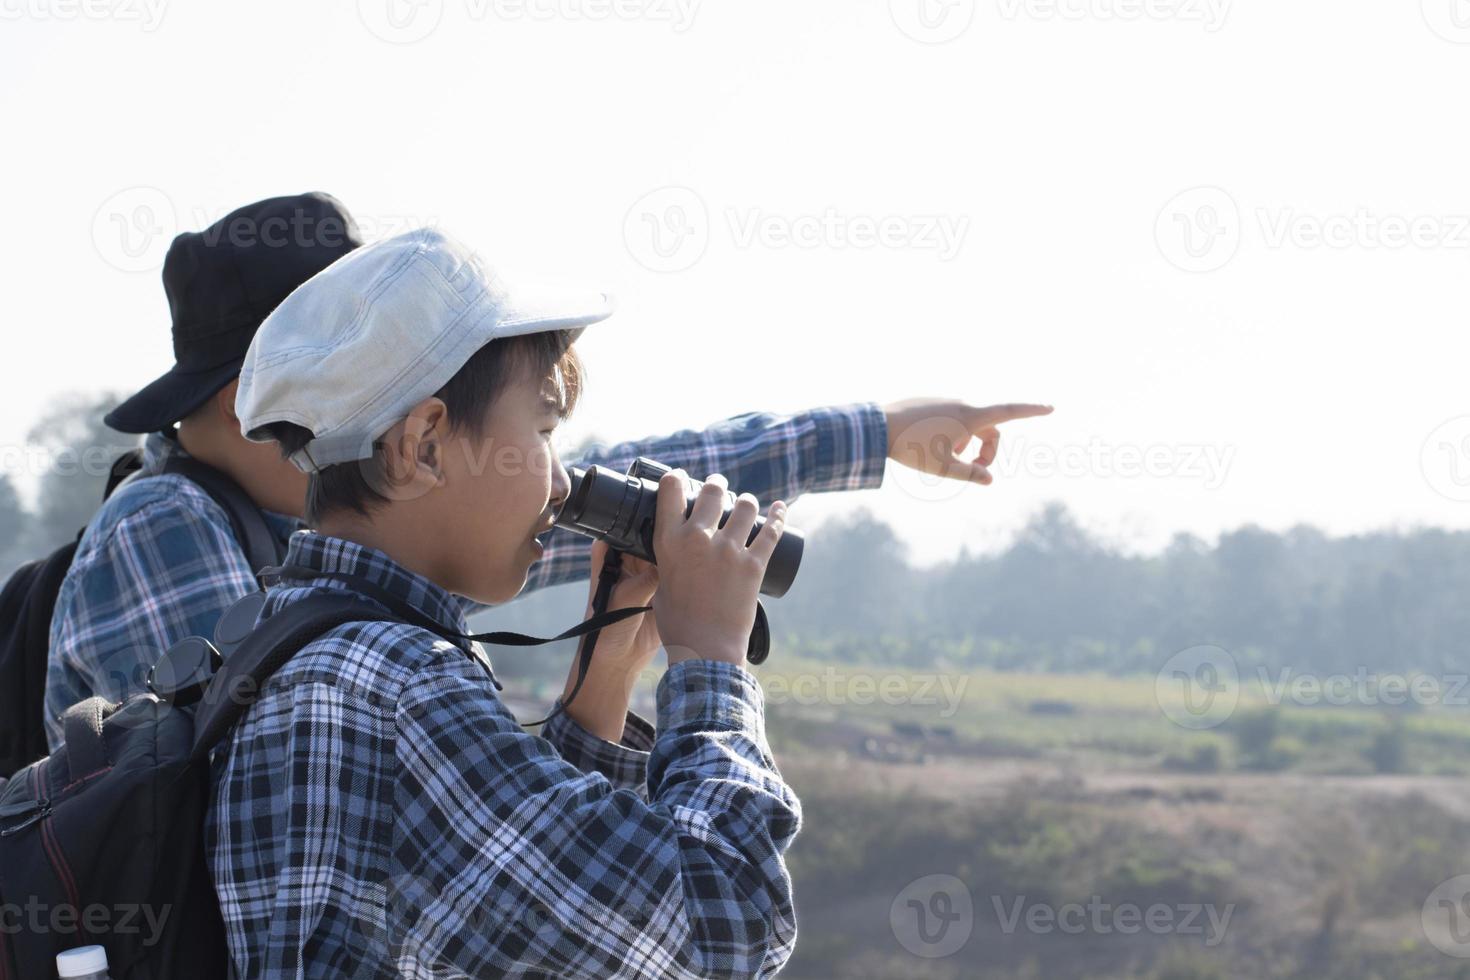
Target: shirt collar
x=157, y=448
x=322, y=552
x=160, y=447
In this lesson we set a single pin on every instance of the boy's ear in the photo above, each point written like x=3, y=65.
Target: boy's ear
x=412, y=452
x=224, y=400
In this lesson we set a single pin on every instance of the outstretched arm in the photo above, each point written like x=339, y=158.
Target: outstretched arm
x=781, y=457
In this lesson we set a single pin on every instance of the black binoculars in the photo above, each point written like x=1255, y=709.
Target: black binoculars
x=620, y=508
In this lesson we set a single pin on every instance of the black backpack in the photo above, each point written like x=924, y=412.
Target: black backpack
x=111, y=824
x=102, y=841
x=29, y=599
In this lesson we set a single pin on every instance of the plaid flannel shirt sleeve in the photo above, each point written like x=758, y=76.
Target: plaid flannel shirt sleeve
x=512, y=860
x=774, y=456
x=625, y=764
x=163, y=572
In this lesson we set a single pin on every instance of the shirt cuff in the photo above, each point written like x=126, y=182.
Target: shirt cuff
x=851, y=451
x=624, y=763
x=709, y=695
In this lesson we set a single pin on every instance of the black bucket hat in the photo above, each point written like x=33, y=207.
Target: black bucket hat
x=221, y=283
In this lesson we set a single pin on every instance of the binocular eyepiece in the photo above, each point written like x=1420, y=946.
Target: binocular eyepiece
x=620, y=509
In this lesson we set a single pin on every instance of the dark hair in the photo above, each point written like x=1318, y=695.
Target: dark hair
x=468, y=397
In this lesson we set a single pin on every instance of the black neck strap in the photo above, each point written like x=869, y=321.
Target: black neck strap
x=403, y=610
x=757, y=650
x=612, y=563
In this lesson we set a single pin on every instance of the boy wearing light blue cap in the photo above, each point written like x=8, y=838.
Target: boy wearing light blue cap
x=378, y=810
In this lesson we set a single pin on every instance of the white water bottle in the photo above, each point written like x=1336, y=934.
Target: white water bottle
x=82, y=963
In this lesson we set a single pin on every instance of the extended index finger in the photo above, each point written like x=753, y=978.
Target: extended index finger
x=995, y=414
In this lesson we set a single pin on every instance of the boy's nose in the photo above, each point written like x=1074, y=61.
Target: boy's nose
x=561, y=484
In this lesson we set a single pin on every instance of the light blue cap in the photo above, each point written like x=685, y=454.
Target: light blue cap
x=352, y=349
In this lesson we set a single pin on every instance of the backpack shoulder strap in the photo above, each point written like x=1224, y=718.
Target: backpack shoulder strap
x=123, y=467
x=274, y=641
x=251, y=530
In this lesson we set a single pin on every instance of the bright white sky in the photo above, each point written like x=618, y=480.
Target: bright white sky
x=1051, y=141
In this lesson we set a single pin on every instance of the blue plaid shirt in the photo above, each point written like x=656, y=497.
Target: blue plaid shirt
x=159, y=562
x=378, y=812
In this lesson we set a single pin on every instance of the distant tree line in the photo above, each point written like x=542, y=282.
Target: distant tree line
x=1057, y=599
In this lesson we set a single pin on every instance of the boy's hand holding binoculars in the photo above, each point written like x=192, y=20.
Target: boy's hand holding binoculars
x=703, y=593
x=708, y=579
